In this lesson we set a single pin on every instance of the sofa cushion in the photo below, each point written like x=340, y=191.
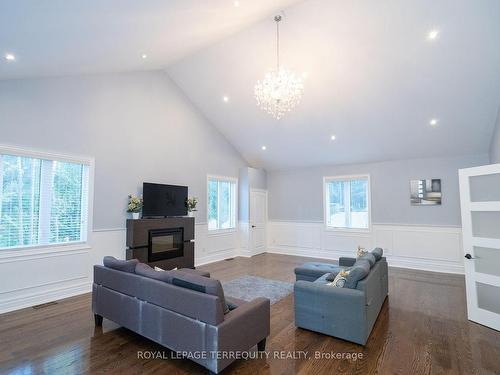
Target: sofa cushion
x=146, y=271
x=201, y=284
x=378, y=252
x=358, y=272
x=369, y=257
x=120, y=264
x=316, y=269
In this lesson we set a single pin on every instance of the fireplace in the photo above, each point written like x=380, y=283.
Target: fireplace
x=166, y=243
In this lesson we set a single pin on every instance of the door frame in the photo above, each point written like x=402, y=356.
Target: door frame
x=251, y=245
x=474, y=312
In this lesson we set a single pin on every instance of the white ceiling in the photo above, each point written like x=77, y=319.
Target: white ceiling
x=375, y=81
x=60, y=37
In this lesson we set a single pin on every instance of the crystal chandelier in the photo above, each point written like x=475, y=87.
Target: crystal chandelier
x=280, y=90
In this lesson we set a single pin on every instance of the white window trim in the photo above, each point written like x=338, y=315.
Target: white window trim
x=212, y=232
x=85, y=244
x=327, y=179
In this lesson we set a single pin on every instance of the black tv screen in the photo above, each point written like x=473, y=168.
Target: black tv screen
x=164, y=200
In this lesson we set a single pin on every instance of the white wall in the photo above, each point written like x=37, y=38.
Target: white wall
x=138, y=127
x=297, y=195
x=415, y=237
x=495, y=142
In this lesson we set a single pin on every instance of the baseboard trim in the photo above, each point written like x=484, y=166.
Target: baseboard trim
x=51, y=295
x=400, y=262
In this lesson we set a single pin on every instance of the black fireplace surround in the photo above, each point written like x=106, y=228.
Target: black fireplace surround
x=166, y=243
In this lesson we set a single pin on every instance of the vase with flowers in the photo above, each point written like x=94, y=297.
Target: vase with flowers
x=191, y=203
x=134, y=206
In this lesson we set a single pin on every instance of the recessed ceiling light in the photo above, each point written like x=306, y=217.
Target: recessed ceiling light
x=236, y=3
x=433, y=34
x=263, y=148
x=144, y=56
x=433, y=122
x=333, y=137
x=10, y=57
x=225, y=99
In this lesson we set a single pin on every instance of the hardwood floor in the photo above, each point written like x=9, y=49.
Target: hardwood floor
x=422, y=329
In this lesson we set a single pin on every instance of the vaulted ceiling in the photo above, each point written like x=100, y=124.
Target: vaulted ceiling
x=62, y=37
x=374, y=80
x=374, y=77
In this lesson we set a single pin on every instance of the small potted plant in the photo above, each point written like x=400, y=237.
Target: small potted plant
x=191, y=203
x=134, y=206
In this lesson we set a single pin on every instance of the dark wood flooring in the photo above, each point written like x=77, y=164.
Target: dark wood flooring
x=422, y=329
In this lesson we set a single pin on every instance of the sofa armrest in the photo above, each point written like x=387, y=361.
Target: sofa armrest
x=245, y=326
x=346, y=261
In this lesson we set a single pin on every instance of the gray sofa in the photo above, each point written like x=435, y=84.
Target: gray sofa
x=346, y=313
x=182, y=310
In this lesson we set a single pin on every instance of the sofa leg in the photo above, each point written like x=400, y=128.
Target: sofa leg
x=98, y=320
x=261, y=346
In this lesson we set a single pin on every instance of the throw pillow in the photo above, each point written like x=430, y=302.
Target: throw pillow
x=358, y=272
x=369, y=257
x=378, y=252
x=146, y=271
x=161, y=269
x=340, y=279
x=120, y=264
x=361, y=251
x=199, y=283
x=331, y=276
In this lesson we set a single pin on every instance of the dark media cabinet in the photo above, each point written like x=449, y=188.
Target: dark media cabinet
x=166, y=243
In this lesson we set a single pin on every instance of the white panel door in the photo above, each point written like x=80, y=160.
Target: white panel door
x=480, y=204
x=258, y=221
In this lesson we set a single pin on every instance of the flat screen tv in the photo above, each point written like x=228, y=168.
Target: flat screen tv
x=164, y=200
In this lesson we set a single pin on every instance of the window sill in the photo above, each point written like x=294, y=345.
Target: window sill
x=348, y=230
x=42, y=250
x=221, y=232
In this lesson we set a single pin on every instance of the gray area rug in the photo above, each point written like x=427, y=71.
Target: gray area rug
x=250, y=287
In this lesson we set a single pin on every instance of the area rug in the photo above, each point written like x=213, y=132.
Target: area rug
x=249, y=287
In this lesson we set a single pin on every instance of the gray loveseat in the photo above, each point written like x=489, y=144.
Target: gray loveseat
x=346, y=313
x=182, y=310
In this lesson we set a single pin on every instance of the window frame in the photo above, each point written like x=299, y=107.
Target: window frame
x=226, y=179
x=87, y=202
x=327, y=179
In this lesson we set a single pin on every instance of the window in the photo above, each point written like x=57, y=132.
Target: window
x=221, y=203
x=347, y=202
x=42, y=201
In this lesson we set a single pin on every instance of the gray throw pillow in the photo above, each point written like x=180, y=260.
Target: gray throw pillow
x=120, y=264
x=369, y=257
x=359, y=271
x=377, y=253
x=146, y=271
x=201, y=284
x=331, y=276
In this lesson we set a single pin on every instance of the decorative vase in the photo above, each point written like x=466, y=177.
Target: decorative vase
x=135, y=215
x=190, y=213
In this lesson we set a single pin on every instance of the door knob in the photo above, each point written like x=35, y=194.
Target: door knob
x=468, y=256
x=253, y=226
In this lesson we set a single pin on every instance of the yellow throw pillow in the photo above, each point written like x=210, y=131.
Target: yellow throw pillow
x=361, y=251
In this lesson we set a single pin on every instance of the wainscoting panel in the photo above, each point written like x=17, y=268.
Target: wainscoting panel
x=36, y=276
x=430, y=248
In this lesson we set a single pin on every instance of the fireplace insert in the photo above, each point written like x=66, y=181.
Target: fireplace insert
x=165, y=244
